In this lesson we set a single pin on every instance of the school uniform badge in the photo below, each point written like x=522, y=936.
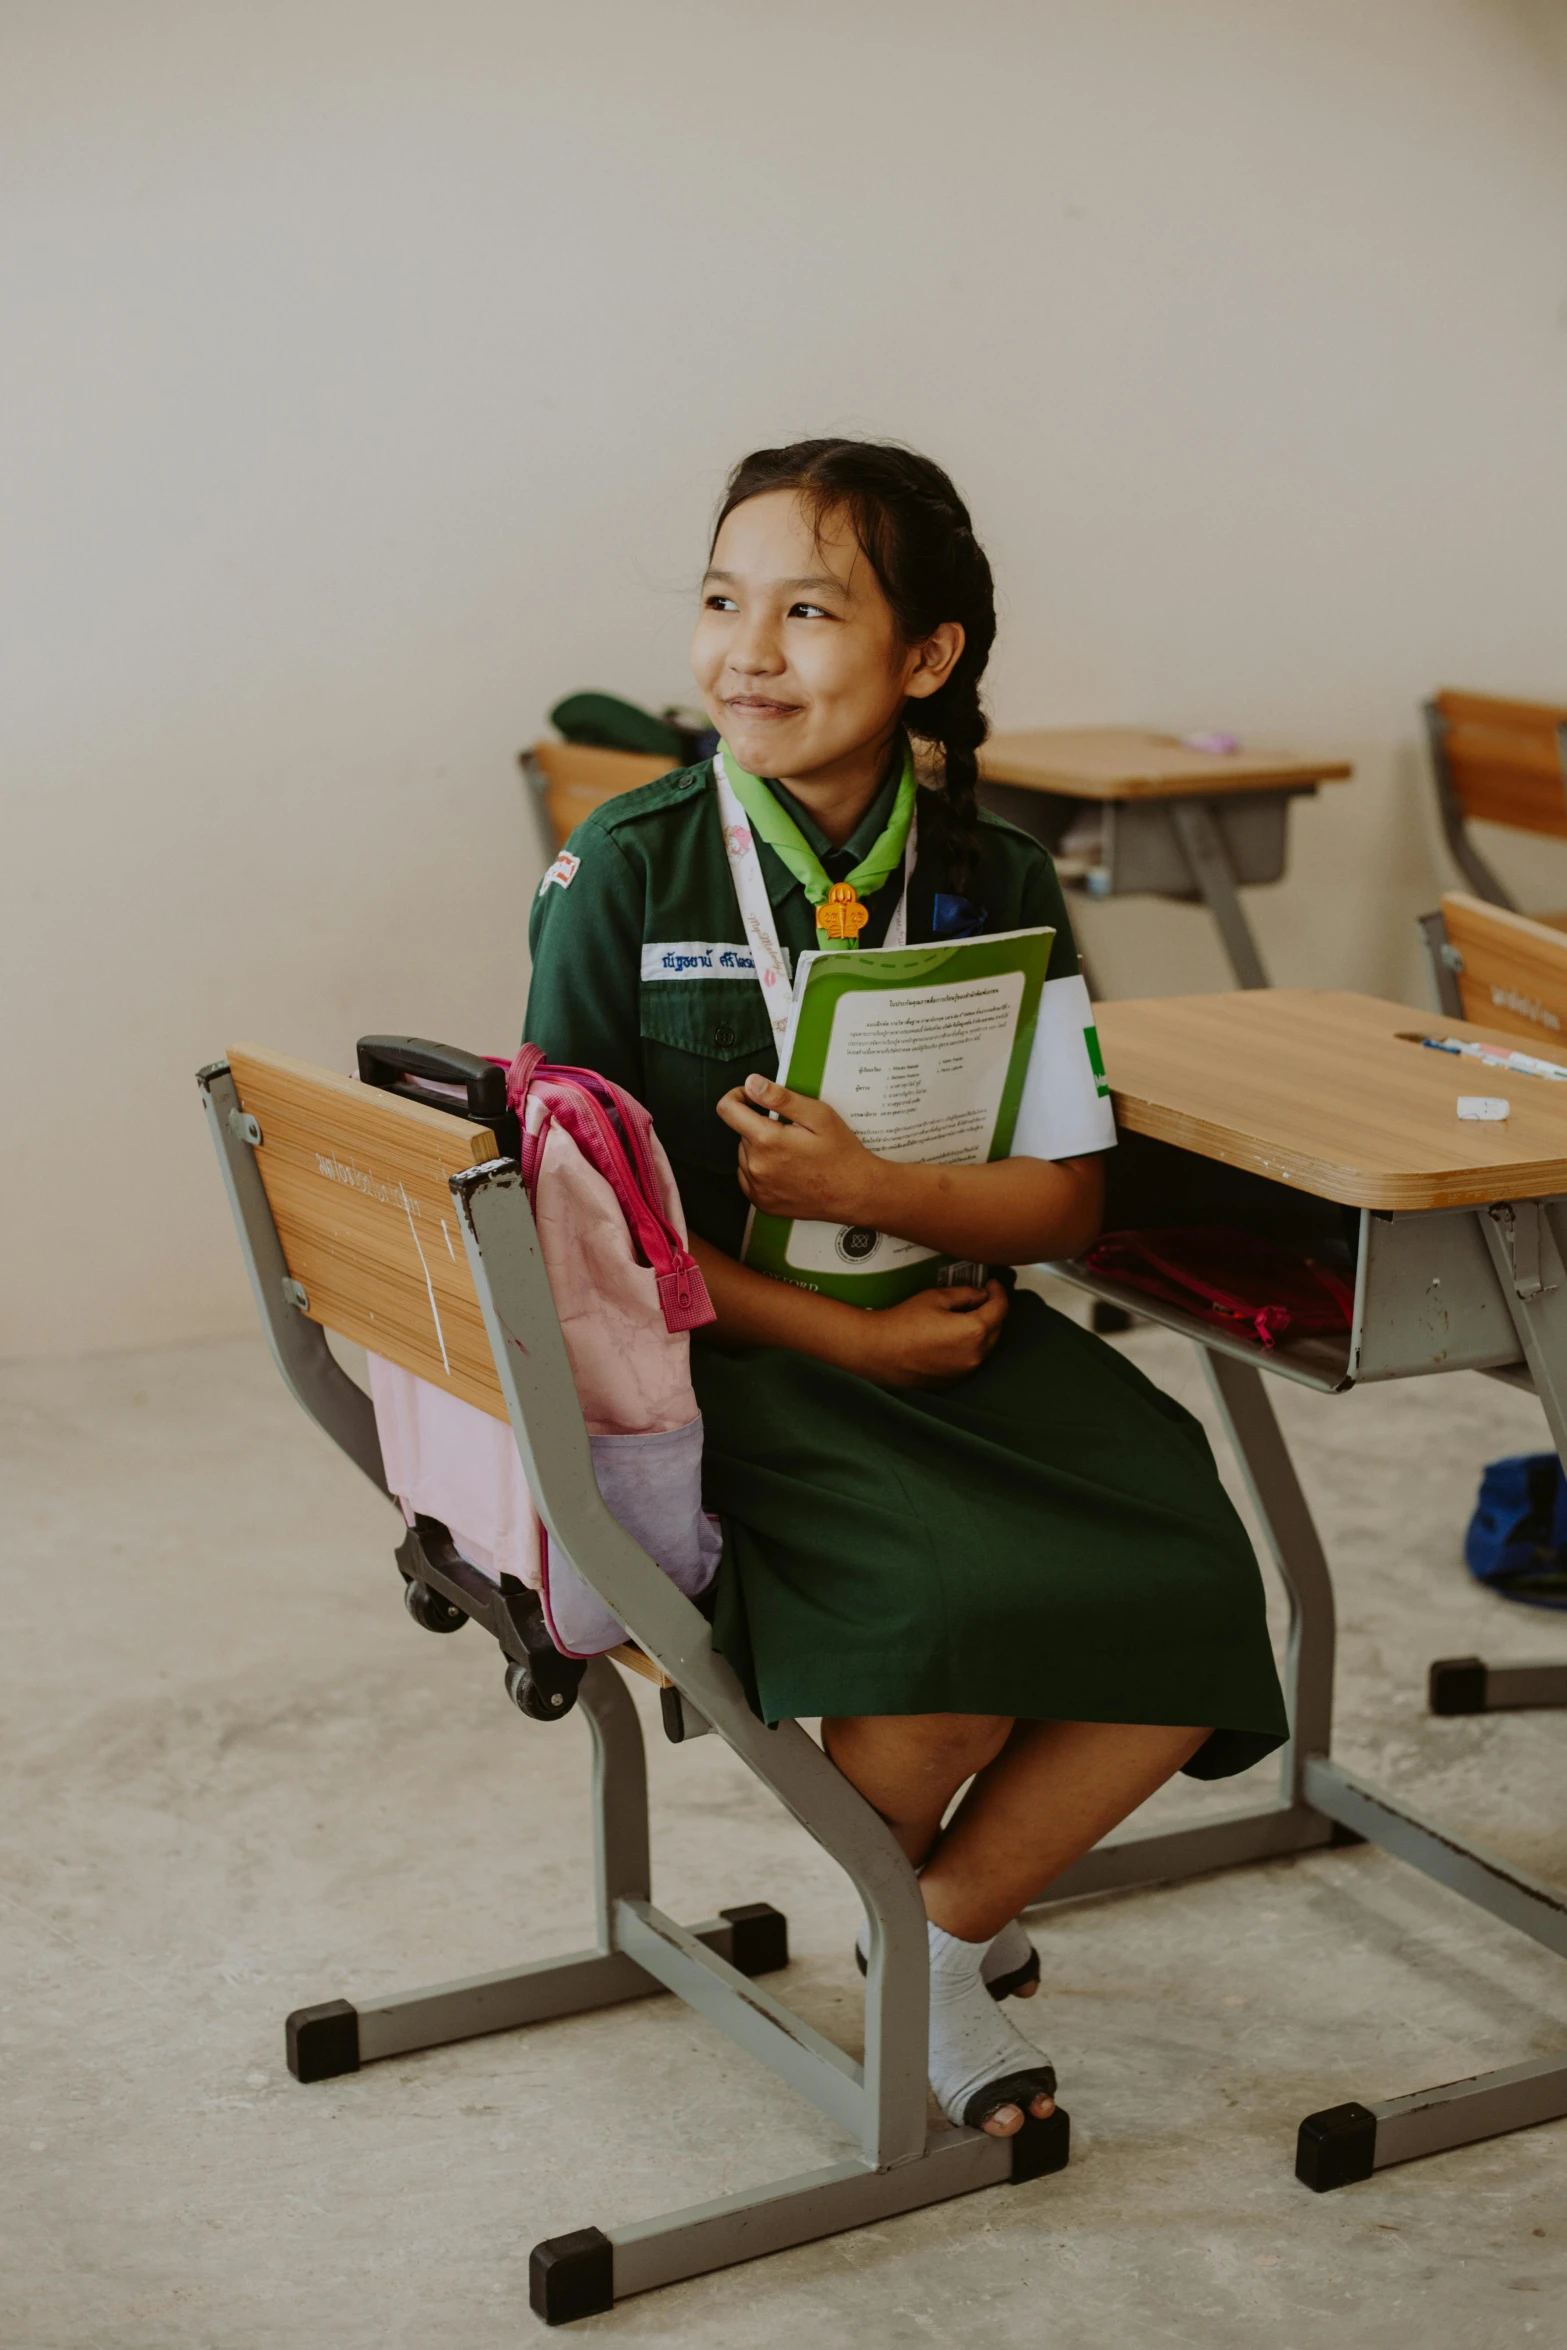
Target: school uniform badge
x=562, y=873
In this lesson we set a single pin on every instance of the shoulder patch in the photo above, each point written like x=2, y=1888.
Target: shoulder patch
x=562, y=873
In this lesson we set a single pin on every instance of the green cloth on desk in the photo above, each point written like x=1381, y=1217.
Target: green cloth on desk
x=1047, y=1537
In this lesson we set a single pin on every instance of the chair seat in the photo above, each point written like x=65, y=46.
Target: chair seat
x=636, y=1660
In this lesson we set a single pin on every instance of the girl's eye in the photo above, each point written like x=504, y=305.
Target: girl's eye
x=718, y=603
x=809, y=612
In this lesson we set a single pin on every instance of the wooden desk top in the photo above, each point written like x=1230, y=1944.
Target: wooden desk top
x=1125, y=763
x=1322, y=1091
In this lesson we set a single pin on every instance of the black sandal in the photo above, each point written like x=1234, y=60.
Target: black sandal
x=1004, y=1986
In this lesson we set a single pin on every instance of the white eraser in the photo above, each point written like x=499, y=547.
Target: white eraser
x=1489, y=1107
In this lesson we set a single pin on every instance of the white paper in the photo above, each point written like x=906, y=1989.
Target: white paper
x=919, y=1074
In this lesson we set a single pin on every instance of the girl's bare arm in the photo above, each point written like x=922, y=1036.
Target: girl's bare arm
x=928, y=1341
x=807, y=1162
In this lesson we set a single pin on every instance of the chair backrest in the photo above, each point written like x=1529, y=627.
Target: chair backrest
x=579, y=777
x=1502, y=762
x=357, y=1183
x=1512, y=972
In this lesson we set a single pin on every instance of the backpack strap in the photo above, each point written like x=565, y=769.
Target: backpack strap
x=614, y=1133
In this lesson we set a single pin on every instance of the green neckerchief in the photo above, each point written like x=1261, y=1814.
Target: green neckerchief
x=788, y=843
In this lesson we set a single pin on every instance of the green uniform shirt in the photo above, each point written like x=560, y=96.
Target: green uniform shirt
x=1046, y=1537
x=649, y=869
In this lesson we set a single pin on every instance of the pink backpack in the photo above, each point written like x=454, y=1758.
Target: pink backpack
x=628, y=1293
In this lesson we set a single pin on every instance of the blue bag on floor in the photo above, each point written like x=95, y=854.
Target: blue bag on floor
x=1517, y=1539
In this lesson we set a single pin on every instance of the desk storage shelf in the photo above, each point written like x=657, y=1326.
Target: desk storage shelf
x=1319, y=1121
x=1131, y=849
x=1427, y=1297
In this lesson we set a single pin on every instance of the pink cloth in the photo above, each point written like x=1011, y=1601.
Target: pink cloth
x=444, y=1459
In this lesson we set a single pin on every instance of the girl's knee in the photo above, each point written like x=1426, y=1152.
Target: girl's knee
x=972, y=1740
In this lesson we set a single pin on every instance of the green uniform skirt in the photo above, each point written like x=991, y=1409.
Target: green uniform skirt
x=1047, y=1538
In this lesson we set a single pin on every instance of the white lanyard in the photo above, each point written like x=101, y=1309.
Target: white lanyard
x=756, y=908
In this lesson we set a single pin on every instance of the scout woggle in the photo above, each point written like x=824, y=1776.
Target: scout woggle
x=839, y=915
x=841, y=918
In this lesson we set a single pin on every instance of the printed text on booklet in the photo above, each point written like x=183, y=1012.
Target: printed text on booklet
x=923, y=1051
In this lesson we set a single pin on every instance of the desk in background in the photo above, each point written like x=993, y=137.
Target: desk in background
x=1126, y=812
x=1319, y=1121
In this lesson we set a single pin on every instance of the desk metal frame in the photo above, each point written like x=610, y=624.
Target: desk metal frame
x=900, y=2163
x=1199, y=845
x=1506, y=1296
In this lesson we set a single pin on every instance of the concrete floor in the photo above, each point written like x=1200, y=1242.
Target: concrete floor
x=239, y=1780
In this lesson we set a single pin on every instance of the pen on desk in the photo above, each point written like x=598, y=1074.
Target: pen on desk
x=1497, y=1056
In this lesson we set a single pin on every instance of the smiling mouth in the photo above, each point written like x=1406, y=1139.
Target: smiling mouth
x=759, y=706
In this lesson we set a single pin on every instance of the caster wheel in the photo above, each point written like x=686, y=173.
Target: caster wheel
x=540, y=1705
x=429, y=1609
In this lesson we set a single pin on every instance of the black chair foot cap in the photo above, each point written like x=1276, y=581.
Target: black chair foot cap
x=572, y=2276
x=1041, y=2147
x=1457, y=1685
x=1336, y=2147
x=323, y=2041
x=760, y=1944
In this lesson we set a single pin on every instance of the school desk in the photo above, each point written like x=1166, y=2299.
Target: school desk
x=1320, y=1121
x=1147, y=814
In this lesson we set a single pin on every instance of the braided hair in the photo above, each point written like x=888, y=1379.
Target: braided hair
x=916, y=535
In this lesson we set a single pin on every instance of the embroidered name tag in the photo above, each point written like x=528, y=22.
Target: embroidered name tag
x=692, y=958
x=562, y=873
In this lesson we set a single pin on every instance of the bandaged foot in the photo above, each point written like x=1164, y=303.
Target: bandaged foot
x=984, y=2072
x=1009, y=1968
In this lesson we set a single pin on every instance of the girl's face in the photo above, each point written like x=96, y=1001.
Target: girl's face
x=796, y=654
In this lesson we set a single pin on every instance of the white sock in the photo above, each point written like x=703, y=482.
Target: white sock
x=1010, y=1951
x=971, y=2042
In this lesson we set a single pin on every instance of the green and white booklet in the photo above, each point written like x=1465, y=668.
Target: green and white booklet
x=944, y=1055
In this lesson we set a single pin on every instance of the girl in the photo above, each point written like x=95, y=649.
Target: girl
x=962, y=1530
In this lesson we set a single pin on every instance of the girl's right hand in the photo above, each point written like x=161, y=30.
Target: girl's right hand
x=933, y=1338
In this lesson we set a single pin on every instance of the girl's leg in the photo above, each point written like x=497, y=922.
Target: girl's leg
x=1044, y=1793
x=1049, y=1796
x=909, y=1766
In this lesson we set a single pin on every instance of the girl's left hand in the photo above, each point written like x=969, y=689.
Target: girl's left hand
x=806, y=1162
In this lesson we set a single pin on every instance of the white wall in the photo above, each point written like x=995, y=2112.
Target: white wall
x=370, y=371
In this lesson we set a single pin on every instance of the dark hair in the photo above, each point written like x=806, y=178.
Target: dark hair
x=916, y=535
